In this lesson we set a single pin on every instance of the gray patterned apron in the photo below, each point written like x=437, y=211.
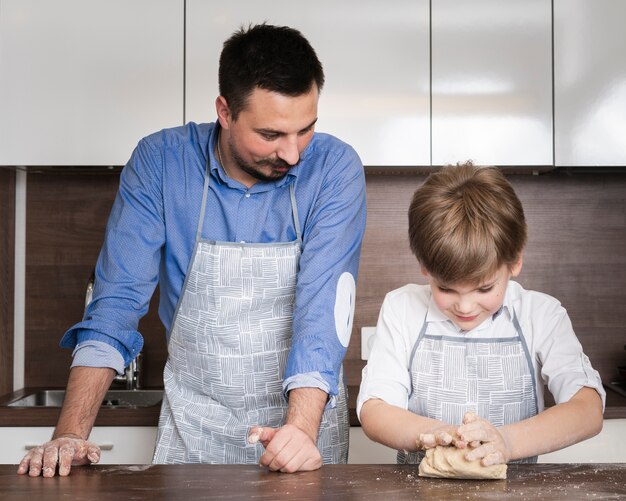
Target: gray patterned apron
x=229, y=342
x=492, y=377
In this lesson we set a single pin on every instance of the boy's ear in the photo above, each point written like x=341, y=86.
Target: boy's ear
x=517, y=267
x=424, y=271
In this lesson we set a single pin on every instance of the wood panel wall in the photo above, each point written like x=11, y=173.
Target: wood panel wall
x=66, y=218
x=576, y=252
x=7, y=266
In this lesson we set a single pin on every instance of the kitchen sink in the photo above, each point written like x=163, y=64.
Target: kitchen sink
x=113, y=398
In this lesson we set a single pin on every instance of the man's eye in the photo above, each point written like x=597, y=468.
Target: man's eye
x=269, y=137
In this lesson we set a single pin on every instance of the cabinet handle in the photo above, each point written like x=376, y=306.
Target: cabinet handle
x=103, y=447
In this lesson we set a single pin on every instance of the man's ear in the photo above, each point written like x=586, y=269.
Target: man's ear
x=223, y=112
x=517, y=267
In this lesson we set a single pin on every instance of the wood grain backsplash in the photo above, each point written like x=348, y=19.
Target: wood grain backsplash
x=7, y=246
x=576, y=252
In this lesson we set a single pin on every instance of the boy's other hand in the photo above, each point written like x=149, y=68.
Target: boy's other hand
x=444, y=436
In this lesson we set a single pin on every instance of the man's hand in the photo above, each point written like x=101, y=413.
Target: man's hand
x=287, y=449
x=64, y=452
x=85, y=389
x=485, y=439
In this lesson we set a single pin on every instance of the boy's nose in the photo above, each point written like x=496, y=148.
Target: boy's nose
x=464, y=306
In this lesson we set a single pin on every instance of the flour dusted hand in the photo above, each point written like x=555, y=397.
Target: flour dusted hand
x=450, y=462
x=446, y=435
x=64, y=451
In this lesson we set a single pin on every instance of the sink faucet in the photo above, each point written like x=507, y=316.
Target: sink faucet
x=132, y=374
x=131, y=378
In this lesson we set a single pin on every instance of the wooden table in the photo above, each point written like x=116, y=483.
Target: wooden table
x=339, y=482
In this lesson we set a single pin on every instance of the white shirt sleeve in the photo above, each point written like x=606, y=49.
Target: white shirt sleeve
x=563, y=365
x=386, y=375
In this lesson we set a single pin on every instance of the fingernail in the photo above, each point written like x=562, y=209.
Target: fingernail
x=253, y=438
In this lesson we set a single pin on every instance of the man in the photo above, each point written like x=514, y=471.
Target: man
x=252, y=227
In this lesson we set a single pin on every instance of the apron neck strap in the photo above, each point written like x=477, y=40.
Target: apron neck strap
x=205, y=191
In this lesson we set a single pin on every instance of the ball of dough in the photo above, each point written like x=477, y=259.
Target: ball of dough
x=450, y=462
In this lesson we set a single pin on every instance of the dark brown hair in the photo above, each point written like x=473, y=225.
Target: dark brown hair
x=465, y=222
x=274, y=58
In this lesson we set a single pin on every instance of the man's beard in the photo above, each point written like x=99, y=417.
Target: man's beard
x=253, y=169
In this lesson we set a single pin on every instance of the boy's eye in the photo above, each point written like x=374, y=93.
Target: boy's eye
x=445, y=290
x=484, y=290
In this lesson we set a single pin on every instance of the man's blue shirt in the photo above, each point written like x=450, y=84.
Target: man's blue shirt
x=151, y=233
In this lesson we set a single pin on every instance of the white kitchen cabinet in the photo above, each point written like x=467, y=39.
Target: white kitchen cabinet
x=589, y=82
x=81, y=81
x=375, y=57
x=364, y=451
x=119, y=444
x=606, y=447
x=492, y=82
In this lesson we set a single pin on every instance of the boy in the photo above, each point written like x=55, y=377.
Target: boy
x=463, y=360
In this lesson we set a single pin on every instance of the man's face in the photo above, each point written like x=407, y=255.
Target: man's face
x=269, y=135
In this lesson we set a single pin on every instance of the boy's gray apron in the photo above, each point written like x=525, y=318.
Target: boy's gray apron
x=229, y=342
x=492, y=377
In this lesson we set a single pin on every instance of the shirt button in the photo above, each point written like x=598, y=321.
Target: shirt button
x=247, y=195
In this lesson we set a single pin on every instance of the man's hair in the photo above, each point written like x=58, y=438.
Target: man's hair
x=465, y=222
x=274, y=58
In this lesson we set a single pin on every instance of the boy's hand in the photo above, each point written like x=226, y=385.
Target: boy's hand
x=446, y=435
x=486, y=442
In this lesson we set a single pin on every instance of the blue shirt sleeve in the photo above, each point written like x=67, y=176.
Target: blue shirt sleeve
x=127, y=268
x=325, y=292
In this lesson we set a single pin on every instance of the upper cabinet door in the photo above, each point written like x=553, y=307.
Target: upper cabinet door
x=590, y=82
x=492, y=82
x=81, y=81
x=375, y=57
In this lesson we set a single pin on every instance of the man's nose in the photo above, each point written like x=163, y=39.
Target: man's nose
x=288, y=150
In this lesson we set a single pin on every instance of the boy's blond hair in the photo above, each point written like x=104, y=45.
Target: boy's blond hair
x=465, y=222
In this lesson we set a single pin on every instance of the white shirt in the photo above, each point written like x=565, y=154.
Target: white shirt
x=557, y=355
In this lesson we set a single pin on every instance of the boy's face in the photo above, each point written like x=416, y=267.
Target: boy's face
x=468, y=305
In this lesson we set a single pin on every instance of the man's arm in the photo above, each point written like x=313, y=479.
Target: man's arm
x=323, y=311
x=86, y=388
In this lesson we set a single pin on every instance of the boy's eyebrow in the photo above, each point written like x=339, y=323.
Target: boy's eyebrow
x=265, y=130
x=489, y=283
x=479, y=285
